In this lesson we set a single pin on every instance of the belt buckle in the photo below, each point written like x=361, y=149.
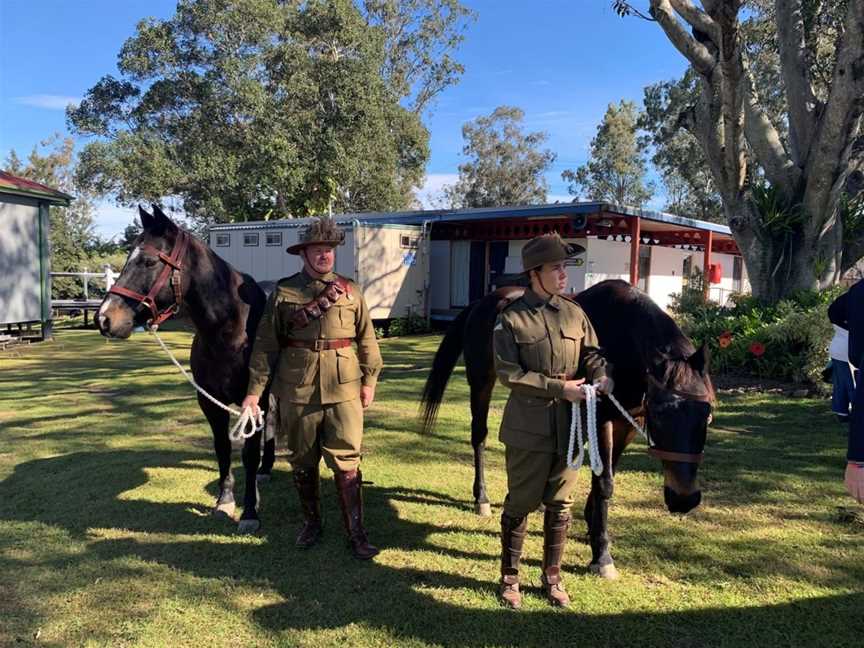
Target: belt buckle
x=319, y=344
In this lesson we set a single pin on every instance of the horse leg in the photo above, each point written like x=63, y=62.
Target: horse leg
x=218, y=420
x=622, y=434
x=268, y=458
x=480, y=399
x=249, y=522
x=597, y=509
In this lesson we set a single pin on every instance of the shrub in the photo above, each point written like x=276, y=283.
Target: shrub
x=784, y=341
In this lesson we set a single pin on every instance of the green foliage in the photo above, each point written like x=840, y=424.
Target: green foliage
x=690, y=188
x=615, y=172
x=413, y=324
x=505, y=165
x=256, y=107
x=794, y=332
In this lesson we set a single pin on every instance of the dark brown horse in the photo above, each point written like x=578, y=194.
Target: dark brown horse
x=168, y=270
x=659, y=377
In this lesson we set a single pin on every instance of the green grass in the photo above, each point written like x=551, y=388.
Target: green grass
x=107, y=476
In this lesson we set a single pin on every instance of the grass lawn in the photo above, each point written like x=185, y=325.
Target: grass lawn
x=107, y=475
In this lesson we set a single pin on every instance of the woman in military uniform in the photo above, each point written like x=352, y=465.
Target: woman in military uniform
x=321, y=386
x=545, y=348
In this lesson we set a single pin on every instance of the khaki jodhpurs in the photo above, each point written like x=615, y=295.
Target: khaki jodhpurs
x=537, y=477
x=310, y=431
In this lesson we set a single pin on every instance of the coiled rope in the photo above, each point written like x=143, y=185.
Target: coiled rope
x=576, y=432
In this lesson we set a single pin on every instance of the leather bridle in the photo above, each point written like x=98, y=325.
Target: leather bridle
x=172, y=271
x=668, y=455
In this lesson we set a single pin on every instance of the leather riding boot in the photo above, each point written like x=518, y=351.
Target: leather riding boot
x=513, y=531
x=555, y=527
x=349, y=487
x=306, y=482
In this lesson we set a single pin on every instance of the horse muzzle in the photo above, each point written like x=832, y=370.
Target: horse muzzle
x=115, y=319
x=678, y=503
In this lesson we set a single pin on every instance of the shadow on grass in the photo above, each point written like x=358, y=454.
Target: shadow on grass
x=323, y=588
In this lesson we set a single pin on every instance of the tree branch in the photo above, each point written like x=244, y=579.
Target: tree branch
x=697, y=18
x=694, y=51
x=767, y=145
x=796, y=76
x=840, y=123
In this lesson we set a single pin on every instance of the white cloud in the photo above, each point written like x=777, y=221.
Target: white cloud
x=48, y=101
x=433, y=186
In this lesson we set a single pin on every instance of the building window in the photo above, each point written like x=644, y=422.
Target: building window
x=274, y=238
x=410, y=242
x=223, y=240
x=250, y=240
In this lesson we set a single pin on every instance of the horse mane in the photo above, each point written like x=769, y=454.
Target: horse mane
x=664, y=343
x=648, y=333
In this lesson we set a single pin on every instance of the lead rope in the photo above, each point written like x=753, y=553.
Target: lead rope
x=245, y=419
x=594, y=459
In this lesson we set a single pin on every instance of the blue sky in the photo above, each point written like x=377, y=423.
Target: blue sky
x=561, y=61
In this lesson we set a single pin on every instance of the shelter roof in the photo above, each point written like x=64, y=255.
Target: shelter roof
x=11, y=184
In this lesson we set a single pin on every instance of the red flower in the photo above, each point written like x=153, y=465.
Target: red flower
x=757, y=349
x=725, y=339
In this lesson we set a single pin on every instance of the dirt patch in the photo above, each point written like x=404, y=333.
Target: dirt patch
x=732, y=384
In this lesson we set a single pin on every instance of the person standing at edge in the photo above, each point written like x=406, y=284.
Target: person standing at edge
x=321, y=385
x=853, y=305
x=545, y=348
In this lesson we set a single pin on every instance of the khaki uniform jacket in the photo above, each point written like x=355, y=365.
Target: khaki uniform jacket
x=537, y=343
x=308, y=376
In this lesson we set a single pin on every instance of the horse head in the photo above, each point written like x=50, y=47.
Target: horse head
x=678, y=404
x=148, y=289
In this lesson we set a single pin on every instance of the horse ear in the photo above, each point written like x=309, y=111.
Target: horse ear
x=161, y=223
x=147, y=221
x=699, y=360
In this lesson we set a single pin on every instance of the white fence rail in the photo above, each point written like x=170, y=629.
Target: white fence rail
x=104, y=280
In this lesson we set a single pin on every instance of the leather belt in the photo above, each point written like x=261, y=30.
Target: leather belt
x=562, y=376
x=319, y=345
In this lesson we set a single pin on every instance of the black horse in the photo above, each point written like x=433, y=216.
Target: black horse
x=169, y=270
x=660, y=378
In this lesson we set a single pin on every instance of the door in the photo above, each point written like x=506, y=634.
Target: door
x=460, y=262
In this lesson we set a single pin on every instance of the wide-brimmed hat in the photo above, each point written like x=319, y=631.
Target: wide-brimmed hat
x=321, y=231
x=548, y=248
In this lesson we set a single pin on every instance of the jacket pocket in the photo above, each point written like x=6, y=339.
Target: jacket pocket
x=346, y=320
x=530, y=415
x=533, y=350
x=347, y=365
x=571, y=343
x=297, y=366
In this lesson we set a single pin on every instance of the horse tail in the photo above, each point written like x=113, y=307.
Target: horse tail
x=443, y=364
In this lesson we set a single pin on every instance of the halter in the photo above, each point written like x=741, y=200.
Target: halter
x=173, y=269
x=668, y=455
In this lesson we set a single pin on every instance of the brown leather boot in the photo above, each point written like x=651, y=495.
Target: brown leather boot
x=306, y=481
x=513, y=531
x=555, y=527
x=349, y=486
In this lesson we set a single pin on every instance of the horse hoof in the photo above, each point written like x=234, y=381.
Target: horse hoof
x=606, y=572
x=263, y=478
x=225, y=509
x=248, y=526
x=483, y=509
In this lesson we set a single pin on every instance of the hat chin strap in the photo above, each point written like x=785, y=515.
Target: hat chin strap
x=540, y=281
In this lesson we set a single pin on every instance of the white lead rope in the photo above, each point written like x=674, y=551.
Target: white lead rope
x=247, y=423
x=576, y=437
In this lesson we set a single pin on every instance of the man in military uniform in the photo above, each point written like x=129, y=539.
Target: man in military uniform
x=545, y=348
x=321, y=384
